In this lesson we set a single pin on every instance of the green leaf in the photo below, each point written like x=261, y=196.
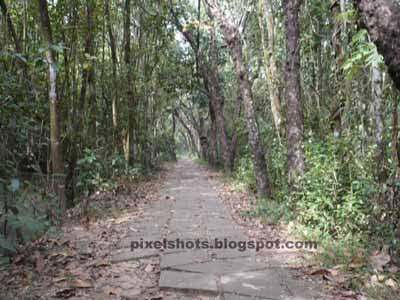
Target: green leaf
x=14, y=185
x=5, y=244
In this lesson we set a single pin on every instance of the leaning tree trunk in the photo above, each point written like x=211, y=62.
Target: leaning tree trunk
x=294, y=117
x=209, y=73
x=382, y=20
x=232, y=38
x=55, y=141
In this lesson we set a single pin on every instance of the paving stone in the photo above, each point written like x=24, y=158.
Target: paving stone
x=195, y=212
x=228, y=296
x=263, y=284
x=126, y=254
x=225, y=266
x=188, y=281
x=231, y=253
x=169, y=260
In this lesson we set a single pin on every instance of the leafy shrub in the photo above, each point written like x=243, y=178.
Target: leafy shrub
x=245, y=172
x=334, y=194
x=89, y=172
x=21, y=220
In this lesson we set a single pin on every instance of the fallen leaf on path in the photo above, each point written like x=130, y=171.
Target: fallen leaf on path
x=113, y=291
x=391, y=283
x=320, y=272
x=83, y=284
x=39, y=262
x=65, y=293
x=380, y=259
x=149, y=268
x=393, y=269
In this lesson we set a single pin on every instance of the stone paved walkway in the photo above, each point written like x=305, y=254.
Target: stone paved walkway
x=190, y=210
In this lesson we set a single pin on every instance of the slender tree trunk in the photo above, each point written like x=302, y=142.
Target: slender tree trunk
x=173, y=144
x=189, y=132
x=210, y=77
x=217, y=103
x=55, y=142
x=379, y=122
x=268, y=43
x=382, y=20
x=337, y=86
x=114, y=74
x=237, y=114
x=213, y=155
x=294, y=117
x=129, y=84
x=232, y=38
x=10, y=25
x=91, y=106
x=395, y=135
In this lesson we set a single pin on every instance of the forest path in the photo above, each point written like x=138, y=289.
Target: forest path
x=189, y=209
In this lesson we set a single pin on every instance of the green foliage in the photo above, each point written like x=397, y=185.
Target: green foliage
x=245, y=173
x=22, y=221
x=364, y=54
x=91, y=173
x=334, y=195
x=271, y=211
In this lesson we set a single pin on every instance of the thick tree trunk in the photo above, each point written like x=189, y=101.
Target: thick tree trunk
x=231, y=35
x=294, y=117
x=55, y=142
x=382, y=20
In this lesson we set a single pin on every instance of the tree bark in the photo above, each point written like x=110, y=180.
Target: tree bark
x=232, y=38
x=114, y=74
x=217, y=103
x=129, y=84
x=10, y=26
x=376, y=83
x=210, y=76
x=55, y=142
x=268, y=44
x=295, y=126
x=381, y=18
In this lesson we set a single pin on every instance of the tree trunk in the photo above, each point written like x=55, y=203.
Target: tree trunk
x=337, y=86
x=210, y=77
x=217, y=103
x=90, y=50
x=114, y=74
x=268, y=44
x=382, y=20
x=294, y=117
x=55, y=142
x=379, y=122
x=10, y=26
x=129, y=84
x=231, y=35
x=173, y=144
